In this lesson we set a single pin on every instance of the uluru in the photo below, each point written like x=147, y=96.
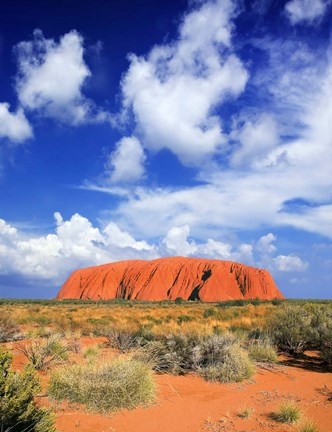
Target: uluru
x=170, y=278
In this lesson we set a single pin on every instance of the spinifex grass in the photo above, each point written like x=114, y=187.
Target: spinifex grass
x=121, y=384
x=288, y=412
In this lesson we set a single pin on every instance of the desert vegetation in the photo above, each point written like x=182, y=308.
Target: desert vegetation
x=131, y=343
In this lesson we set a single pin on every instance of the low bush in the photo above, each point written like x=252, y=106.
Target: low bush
x=295, y=328
x=43, y=354
x=290, y=328
x=8, y=329
x=234, y=366
x=214, y=357
x=18, y=409
x=287, y=413
x=121, y=339
x=262, y=351
x=172, y=353
x=105, y=387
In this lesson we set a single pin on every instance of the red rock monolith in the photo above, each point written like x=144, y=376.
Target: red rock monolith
x=169, y=278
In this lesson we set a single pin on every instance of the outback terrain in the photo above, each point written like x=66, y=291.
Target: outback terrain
x=227, y=366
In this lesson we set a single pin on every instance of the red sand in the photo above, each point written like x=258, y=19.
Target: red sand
x=169, y=278
x=187, y=403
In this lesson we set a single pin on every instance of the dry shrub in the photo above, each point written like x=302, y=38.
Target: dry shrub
x=123, y=383
x=233, y=366
x=43, y=354
x=215, y=357
x=262, y=351
x=8, y=329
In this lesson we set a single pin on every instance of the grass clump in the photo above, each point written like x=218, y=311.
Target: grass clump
x=18, y=409
x=262, y=351
x=43, y=354
x=121, y=384
x=233, y=366
x=245, y=412
x=308, y=426
x=91, y=353
x=287, y=413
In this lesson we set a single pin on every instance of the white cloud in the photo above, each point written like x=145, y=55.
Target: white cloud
x=114, y=236
x=290, y=263
x=265, y=244
x=306, y=11
x=175, y=88
x=126, y=163
x=176, y=241
x=251, y=192
x=51, y=77
x=75, y=243
x=257, y=137
x=14, y=126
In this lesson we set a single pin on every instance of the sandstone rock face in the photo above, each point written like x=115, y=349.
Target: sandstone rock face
x=169, y=278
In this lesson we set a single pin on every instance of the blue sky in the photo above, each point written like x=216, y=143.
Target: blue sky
x=155, y=128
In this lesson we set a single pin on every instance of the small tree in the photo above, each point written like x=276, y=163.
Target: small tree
x=18, y=409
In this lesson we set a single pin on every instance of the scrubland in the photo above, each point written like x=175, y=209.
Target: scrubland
x=82, y=359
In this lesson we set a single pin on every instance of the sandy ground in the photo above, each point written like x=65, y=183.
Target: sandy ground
x=188, y=403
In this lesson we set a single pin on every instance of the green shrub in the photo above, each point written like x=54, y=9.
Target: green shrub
x=91, y=354
x=18, y=410
x=179, y=300
x=210, y=312
x=234, y=366
x=43, y=354
x=290, y=328
x=184, y=319
x=295, y=328
x=287, y=413
x=105, y=388
x=262, y=351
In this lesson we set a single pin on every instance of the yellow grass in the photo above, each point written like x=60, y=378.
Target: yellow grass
x=79, y=318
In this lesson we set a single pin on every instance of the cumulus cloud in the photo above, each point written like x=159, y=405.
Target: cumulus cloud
x=77, y=243
x=266, y=170
x=126, y=163
x=51, y=78
x=289, y=263
x=176, y=241
x=265, y=244
x=306, y=11
x=14, y=126
x=173, y=91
